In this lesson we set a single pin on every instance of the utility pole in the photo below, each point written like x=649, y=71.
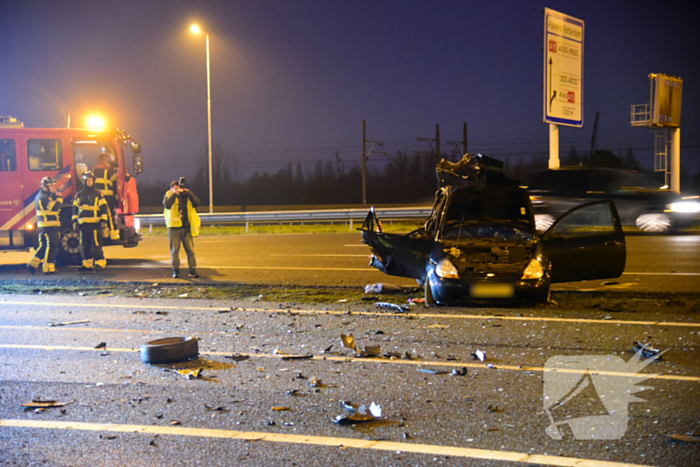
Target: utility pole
x=436, y=152
x=464, y=138
x=365, y=158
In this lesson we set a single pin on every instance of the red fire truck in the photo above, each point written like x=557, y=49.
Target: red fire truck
x=29, y=154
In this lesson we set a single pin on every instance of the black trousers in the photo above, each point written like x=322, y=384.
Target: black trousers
x=91, y=245
x=48, y=244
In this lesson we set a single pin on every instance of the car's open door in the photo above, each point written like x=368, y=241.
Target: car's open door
x=586, y=243
x=396, y=254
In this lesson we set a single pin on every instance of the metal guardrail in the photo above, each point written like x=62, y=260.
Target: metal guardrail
x=296, y=216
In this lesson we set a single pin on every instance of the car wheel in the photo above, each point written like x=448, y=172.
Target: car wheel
x=543, y=221
x=169, y=350
x=654, y=222
x=69, y=248
x=429, y=299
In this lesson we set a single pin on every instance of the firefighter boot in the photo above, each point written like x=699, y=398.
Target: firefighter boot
x=100, y=264
x=88, y=264
x=33, y=264
x=49, y=268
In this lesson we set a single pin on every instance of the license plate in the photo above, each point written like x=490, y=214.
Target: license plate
x=492, y=290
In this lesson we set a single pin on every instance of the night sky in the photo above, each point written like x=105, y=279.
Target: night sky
x=292, y=80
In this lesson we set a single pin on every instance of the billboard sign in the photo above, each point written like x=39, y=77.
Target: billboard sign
x=666, y=97
x=563, y=69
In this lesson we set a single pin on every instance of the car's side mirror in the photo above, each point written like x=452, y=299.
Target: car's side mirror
x=136, y=147
x=138, y=165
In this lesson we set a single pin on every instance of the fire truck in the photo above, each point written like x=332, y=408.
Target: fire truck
x=29, y=154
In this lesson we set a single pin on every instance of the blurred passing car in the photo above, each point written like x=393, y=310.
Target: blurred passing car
x=638, y=198
x=480, y=245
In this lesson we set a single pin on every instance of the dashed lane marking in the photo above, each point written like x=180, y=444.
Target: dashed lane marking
x=360, y=313
x=394, y=361
x=328, y=441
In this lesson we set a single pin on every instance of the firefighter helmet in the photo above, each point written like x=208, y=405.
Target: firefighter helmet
x=87, y=175
x=46, y=181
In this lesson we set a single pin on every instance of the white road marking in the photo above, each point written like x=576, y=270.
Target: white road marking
x=661, y=274
x=383, y=361
x=451, y=451
x=360, y=313
x=262, y=268
x=333, y=256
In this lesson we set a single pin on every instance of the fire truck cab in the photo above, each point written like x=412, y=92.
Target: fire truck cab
x=29, y=154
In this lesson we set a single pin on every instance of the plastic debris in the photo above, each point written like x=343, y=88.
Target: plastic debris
x=493, y=408
x=216, y=409
x=432, y=372
x=281, y=409
x=328, y=349
x=392, y=306
x=315, y=383
x=68, y=323
x=646, y=351
x=382, y=288
x=101, y=345
x=370, y=351
x=223, y=310
x=358, y=414
x=459, y=372
x=479, y=355
x=190, y=374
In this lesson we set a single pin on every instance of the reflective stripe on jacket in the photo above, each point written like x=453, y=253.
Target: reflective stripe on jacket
x=48, y=209
x=90, y=207
x=104, y=179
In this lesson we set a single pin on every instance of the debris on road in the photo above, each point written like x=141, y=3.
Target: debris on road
x=216, y=409
x=460, y=372
x=281, y=409
x=479, y=355
x=392, y=306
x=237, y=357
x=315, y=383
x=297, y=357
x=646, y=351
x=493, y=408
x=358, y=414
x=382, y=288
x=370, y=351
x=432, y=372
x=348, y=341
x=190, y=374
x=101, y=345
x=68, y=323
x=688, y=438
x=44, y=404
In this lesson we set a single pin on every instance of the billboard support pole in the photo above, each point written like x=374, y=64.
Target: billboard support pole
x=675, y=159
x=553, y=146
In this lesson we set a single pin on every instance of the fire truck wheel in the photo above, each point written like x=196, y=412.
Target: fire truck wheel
x=69, y=251
x=169, y=350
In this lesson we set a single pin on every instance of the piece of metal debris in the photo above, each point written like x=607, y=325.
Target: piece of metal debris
x=370, y=351
x=646, y=351
x=479, y=355
x=460, y=372
x=68, y=323
x=237, y=357
x=281, y=409
x=101, y=345
x=392, y=306
x=328, y=349
x=358, y=414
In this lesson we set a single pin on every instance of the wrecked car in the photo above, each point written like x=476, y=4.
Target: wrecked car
x=480, y=245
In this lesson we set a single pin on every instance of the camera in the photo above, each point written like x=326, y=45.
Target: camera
x=181, y=182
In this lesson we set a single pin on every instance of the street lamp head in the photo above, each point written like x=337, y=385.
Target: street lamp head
x=195, y=29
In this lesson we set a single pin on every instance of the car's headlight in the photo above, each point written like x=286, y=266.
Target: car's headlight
x=685, y=206
x=446, y=269
x=534, y=270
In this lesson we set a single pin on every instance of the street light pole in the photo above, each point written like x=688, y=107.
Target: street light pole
x=196, y=30
x=211, y=184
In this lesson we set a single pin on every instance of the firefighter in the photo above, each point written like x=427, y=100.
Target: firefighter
x=90, y=211
x=183, y=224
x=105, y=183
x=48, y=210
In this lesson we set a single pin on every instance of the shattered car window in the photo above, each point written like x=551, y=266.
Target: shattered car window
x=503, y=214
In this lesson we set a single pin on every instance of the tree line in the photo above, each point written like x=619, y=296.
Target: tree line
x=401, y=178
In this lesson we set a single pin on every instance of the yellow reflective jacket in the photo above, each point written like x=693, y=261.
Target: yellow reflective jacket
x=172, y=214
x=48, y=209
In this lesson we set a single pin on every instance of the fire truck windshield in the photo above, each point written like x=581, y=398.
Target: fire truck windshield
x=87, y=155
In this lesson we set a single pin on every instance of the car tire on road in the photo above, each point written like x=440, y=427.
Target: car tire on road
x=170, y=350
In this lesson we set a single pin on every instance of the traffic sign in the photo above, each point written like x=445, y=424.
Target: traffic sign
x=563, y=69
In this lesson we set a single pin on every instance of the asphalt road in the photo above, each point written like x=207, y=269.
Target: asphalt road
x=263, y=411
x=654, y=263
